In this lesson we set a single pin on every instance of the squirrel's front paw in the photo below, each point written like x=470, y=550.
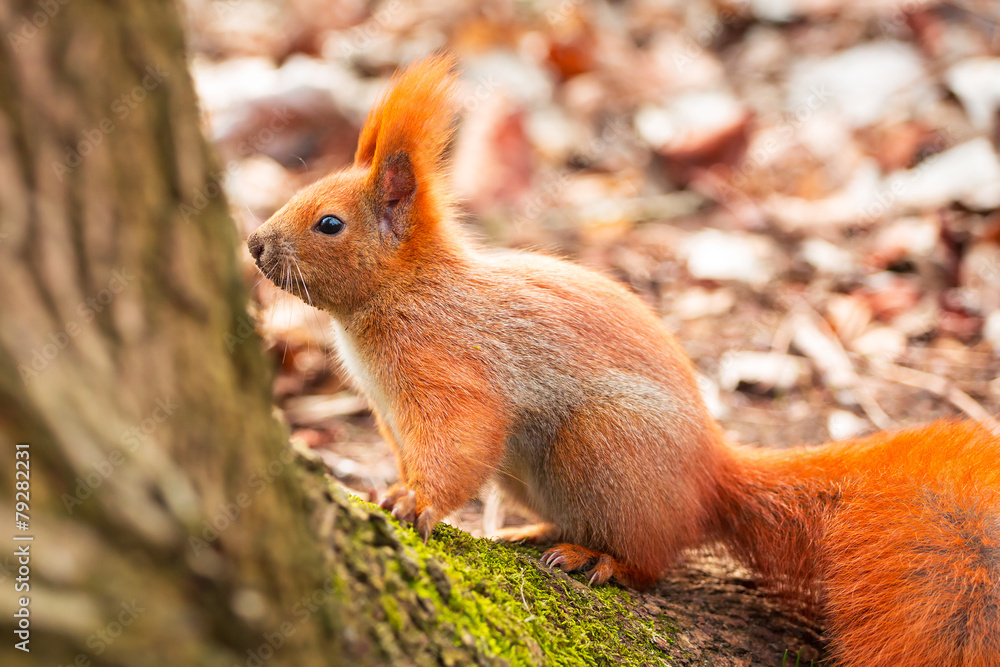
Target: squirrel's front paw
x=405, y=505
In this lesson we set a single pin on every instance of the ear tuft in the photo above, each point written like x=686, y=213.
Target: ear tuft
x=403, y=142
x=414, y=116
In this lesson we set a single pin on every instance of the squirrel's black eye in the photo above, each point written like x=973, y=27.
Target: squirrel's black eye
x=330, y=225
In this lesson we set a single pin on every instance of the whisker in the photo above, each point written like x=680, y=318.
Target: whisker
x=299, y=279
x=295, y=280
x=263, y=277
x=308, y=297
x=319, y=330
x=286, y=281
x=250, y=211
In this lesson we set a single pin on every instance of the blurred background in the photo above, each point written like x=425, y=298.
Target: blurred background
x=807, y=191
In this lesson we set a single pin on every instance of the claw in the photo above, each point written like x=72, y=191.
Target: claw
x=392, y=495
x=552, y=559
x=405, y=509
x=425, y=522
x=603, y=570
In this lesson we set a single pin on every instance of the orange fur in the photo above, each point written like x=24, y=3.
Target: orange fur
x=566, y=388
x=414, y=118
x=896, y=535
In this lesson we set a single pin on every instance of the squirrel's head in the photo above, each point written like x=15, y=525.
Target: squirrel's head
x=341, y=240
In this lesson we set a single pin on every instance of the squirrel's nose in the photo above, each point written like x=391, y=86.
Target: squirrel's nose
x=256, y=246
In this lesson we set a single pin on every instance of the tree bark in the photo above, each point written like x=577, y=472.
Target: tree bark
x=170, y=522
x=128, y=363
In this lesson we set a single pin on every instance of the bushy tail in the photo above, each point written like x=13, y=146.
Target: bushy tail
x=896, y=535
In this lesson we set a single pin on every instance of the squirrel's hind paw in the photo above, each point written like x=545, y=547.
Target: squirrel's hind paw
x=572, y=558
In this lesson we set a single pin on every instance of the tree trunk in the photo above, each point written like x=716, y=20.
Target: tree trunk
x=167, y=521
x=128, y=363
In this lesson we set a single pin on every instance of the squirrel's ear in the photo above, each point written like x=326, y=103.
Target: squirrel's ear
x=396, y=185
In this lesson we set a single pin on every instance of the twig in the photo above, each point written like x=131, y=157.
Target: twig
x=524, y=601
x=939, y=387
x=814, y=338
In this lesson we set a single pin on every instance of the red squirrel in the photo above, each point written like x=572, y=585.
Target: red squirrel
x=566, y=388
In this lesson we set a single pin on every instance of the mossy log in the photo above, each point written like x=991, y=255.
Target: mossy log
x=459, y=600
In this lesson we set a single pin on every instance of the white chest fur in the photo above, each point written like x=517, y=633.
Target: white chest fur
x=351, y=359
x=354, y=363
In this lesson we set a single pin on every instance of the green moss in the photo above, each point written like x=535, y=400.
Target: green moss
x=391, y=608
x=492, y=601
